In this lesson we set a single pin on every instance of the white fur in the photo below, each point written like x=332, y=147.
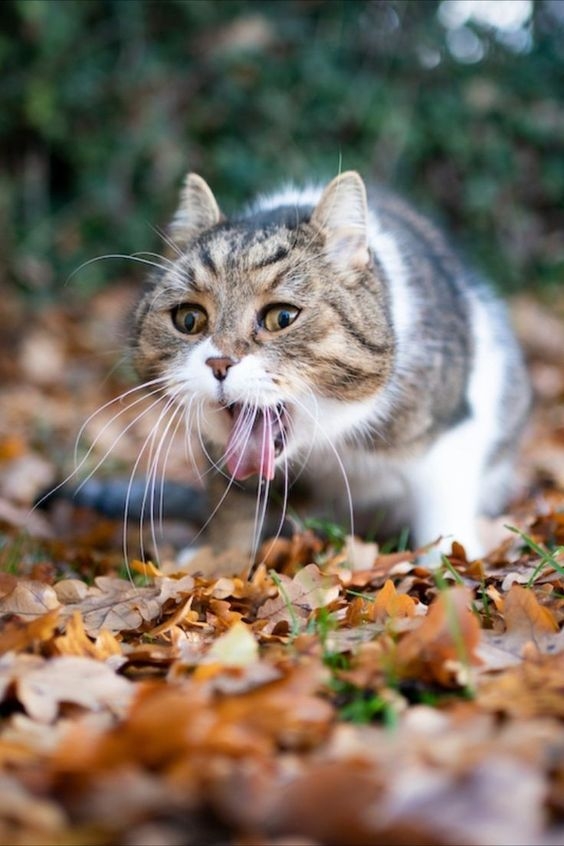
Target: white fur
x=447, y=482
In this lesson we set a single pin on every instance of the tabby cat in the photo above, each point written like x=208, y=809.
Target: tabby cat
x=333, y=347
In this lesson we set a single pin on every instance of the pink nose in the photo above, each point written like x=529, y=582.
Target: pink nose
x=220, y=366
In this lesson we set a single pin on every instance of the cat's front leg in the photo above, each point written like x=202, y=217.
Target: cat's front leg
x=445, y=489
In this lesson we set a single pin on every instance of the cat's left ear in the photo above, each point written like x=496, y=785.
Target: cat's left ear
x=198, y=210
x=342, y=214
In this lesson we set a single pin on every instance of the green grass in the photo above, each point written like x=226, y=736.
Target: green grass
x=547, y=557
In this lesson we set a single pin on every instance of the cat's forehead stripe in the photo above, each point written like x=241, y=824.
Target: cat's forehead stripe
x=280, y=254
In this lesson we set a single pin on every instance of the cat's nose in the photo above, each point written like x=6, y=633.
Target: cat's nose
x=220, y=366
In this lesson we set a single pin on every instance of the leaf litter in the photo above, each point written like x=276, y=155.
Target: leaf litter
x=342, y=694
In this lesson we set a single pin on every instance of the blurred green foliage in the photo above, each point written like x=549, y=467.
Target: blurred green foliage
x=106, y=103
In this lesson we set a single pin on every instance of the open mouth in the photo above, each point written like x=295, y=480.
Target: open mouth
x=256, y=438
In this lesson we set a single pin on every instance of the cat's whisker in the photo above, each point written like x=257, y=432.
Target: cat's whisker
x=242, y=429
x=188, y=414
x=150, y=487
x=338, y=459
x=231, y=481
x=213, y=464
x=114, y=443
x=134, y=258
x=160, y=381
x=158, y=256
x=303, y=460
x=80, y=464
x=149, y=440
x=168, y=240
x=284, y=500
x=178, y=413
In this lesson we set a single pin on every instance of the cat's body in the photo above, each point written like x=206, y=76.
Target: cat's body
x=319, y=336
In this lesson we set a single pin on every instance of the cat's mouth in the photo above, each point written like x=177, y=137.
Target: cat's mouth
x=257, y=437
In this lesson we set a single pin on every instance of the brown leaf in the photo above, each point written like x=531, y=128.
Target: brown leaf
x=116, y=605
x=533, y=688
x=297, y=597
x=42, y=687
x=18, y=635
x=290, y=554
x=43, y=820
x=29, y=599
x=524, y=615
x=76, y=642
x=445, y=641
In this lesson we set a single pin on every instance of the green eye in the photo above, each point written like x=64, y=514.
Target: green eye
x=279, y=317
x=190, y=319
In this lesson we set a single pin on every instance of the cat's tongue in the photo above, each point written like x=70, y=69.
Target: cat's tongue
x=250, y=448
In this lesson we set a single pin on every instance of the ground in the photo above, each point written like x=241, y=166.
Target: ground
x=341, y=693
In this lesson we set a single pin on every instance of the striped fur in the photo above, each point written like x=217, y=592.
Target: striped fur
x=400, y=377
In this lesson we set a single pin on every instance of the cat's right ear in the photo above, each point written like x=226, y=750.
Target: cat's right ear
x=342, y=214
x=198, y=211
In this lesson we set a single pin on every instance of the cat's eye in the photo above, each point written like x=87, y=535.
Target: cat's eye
x=190, y=319
x=279, y=317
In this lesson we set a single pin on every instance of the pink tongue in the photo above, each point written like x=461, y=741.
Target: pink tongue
x=250, y=449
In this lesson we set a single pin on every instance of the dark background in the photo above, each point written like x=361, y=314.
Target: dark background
x=104, y=104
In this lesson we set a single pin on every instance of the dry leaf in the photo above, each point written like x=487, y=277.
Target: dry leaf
x=297, y=597
x=389, y=603
x=445, y=641
x=533, y=688
x=18, y=635
x=238, y=647
x=116, y=605
x=78, y=681
x=524, y=615
x=29, y=599
x=76, y=642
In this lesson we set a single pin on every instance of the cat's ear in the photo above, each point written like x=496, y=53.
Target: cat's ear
x=198, y=210
x=342, y=214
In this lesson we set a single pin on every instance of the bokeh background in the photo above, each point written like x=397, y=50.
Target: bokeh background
x=104, y=104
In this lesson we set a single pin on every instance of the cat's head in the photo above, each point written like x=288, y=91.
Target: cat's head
x=271, y=328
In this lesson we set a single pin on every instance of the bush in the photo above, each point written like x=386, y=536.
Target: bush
x=106, y=103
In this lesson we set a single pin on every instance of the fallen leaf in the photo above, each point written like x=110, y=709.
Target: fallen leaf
x=238, y=647
x=29, y=599
x=18, y=635
x=389, y=603
x=445, y=641
x=116, y=605
x=67, y=679
x=309, y=589
x=76, y=642
x=524, y=615
x=533, y=688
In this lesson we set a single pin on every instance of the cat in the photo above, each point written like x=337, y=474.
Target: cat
x=331, y=335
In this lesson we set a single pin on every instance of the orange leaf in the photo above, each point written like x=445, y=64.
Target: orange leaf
x=389, y=603
x=17, y=635
x=145, y=568
x=75, y=641
x=446, y=639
